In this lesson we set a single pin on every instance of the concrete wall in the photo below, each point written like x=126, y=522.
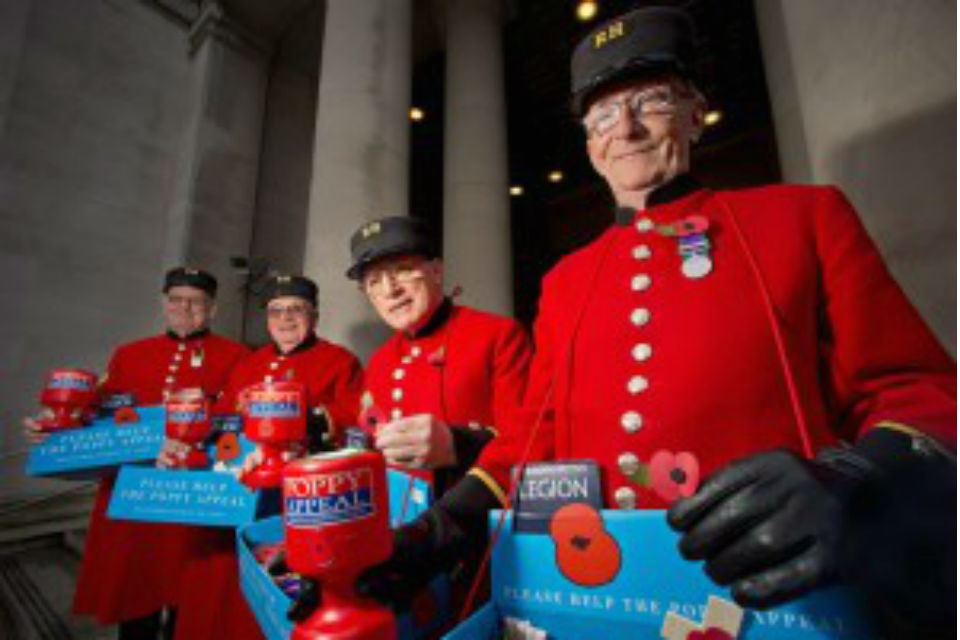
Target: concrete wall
x=92, y=108
x=864, y=95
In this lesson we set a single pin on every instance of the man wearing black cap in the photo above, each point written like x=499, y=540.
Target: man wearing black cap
x=447, y=376
x=131, y=570
x=438, y=388
x=212, y=605
x=333, y=376
x=706, y=327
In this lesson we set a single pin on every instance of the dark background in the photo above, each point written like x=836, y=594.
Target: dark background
x=551, y=219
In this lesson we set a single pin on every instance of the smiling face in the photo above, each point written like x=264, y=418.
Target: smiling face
x=290, y=319
x=404, y=290
x=187, y=309
x=645, y=147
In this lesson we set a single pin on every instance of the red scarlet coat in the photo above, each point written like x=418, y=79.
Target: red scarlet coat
x=131, y=569
x=468, y=369
x=211, y=604
x=797, y=338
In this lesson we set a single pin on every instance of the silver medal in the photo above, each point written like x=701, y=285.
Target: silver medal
x=696, y=266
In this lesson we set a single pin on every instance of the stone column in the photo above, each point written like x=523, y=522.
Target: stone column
x=212, y=206
x=361, y=153
x=864, y=96
x=476, y=208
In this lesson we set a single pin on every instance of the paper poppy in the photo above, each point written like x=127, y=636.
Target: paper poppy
x=371, y=418
x=437, y=358
x=673, y=476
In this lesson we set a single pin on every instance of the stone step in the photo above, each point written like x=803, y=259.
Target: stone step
x=36, y=591
x=55, y=513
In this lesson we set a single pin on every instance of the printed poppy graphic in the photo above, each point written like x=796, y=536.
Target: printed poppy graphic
x=673, y=476
x=585, y=553
x=228, y=447
x=126, y=415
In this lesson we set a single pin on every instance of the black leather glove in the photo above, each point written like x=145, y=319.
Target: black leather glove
x=776, y=526
x=318, y=430
x=900, y=548
x=768, y=525
x=306, y=601
x=454, y=528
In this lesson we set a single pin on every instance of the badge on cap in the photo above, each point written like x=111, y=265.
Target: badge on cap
x=693, y=245
x=370, y=229
x=610, y=32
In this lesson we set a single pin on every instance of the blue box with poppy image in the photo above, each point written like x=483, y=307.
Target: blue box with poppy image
x=98, y=449
x=617, y=574
x=408, y=497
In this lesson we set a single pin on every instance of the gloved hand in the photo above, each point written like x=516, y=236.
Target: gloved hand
x=306, y=601
x=453, y=528
x=768, y=525
x=775, y=526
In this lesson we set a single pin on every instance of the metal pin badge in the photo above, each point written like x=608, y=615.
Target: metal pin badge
x=696, y=266
x=694, y=248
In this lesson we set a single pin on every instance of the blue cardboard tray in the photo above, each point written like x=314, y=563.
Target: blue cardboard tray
x=652, y=579
x=269, y=604
x=96, y=450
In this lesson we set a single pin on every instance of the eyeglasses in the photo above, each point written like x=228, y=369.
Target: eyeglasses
x=604, y=116
x=378, y=281
x=184, y=301
x=295, y=310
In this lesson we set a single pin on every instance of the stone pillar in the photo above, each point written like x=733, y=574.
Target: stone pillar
x=361, y=153
x=476, y=208
x=864, y=96
x=214, y=198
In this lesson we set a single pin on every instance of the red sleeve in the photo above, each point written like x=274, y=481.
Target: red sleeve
x=884, y=366
x=113, y=381
x=510, y=366
x=239, y=378
x=347, y=387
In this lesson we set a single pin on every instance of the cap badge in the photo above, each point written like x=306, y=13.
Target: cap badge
x=608, y=34
x=370, y=229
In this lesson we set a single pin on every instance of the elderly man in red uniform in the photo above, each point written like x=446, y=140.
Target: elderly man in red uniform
x=436, y=390
x=333, y=376
x=211, y=604
x=131, y=571
x=450, y=373
x=737, y=336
